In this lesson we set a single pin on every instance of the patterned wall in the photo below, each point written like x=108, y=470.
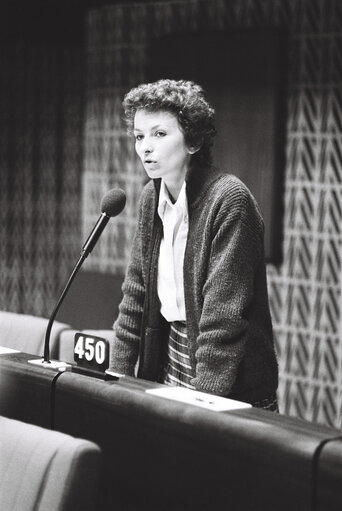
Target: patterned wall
x=41, y=105
x=305, y=291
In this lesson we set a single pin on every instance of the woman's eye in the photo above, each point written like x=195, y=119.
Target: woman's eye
x=160, y=134
x=138, y=137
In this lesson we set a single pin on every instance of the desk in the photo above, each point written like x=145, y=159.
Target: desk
x=164, y=455
x=26, y=391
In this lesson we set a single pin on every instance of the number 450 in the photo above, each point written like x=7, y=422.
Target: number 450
x=90, y=349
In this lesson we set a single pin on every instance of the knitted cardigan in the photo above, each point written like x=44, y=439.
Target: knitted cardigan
x=227, y=312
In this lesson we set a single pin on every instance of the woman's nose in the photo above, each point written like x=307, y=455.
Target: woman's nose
x=146, y=147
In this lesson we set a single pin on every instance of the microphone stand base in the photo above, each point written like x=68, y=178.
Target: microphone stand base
x=53, y=364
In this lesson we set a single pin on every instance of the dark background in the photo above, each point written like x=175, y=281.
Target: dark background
x=48, y=20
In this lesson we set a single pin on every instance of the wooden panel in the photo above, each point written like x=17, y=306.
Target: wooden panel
x=92, y=301
x=241, y=74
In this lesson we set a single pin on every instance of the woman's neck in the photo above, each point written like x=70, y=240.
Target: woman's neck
x=174, y=190
x=175, y=182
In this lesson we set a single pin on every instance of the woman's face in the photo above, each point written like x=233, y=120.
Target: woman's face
x=160, y=144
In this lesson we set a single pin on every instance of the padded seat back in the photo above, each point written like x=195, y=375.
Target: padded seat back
x=43, y=470
x=26, y=333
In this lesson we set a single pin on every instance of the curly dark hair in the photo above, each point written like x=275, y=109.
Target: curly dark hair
x=186, y=100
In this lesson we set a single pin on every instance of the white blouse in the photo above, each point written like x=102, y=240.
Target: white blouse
x=171, y=256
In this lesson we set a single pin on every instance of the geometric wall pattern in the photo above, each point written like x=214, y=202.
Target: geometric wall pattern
x=305, y=290
x=40, y=168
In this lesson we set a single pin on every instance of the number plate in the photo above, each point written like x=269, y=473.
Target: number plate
x=91, y=352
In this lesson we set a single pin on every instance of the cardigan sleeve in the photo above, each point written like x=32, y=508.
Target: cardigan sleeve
x=127, y=327
x=236, y=251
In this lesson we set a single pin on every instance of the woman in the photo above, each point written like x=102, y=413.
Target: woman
x=195, y=308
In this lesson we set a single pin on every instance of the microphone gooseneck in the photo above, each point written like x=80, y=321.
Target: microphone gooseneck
x=111, y=205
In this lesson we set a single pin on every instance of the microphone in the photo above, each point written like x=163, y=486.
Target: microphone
x=111, y=205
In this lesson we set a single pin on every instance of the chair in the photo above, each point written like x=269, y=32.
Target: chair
x=27, y=333
x=43, y=470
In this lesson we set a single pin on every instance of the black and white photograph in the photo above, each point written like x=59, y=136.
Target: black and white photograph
x=171, y=255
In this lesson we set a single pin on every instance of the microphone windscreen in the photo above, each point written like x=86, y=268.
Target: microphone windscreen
x=113, y=202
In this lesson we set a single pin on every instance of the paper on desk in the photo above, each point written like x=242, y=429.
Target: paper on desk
x=194, y=397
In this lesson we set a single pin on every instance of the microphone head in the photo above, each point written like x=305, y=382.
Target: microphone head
x=113, y=202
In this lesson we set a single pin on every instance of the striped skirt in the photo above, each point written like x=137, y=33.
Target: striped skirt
x=178, y=368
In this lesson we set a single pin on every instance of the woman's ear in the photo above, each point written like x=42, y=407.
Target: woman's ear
x=193, y=150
